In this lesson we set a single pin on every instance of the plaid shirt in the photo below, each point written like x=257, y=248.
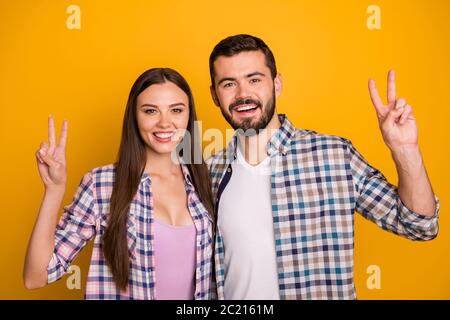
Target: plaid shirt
x=86, y=218
x=318, y=181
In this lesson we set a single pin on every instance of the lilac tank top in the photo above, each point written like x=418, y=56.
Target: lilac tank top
x=175, y=261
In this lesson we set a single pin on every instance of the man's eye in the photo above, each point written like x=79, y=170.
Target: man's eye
x=228, y=85
x=255, y=80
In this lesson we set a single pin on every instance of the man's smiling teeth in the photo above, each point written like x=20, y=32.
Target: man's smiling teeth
x=163, y=135
x=245, y=108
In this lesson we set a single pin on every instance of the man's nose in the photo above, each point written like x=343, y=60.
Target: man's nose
x=243, y=91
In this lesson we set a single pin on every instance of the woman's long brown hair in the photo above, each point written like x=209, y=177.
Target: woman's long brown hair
x=130, y=167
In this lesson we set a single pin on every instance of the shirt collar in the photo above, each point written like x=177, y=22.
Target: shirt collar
x=187, y=177
x=145, y=178
x=279, y=142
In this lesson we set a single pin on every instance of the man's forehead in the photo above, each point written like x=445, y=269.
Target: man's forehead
x=241, y=64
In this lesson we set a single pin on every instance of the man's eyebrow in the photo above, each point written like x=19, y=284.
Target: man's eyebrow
x=256, y=73
x=225, y=79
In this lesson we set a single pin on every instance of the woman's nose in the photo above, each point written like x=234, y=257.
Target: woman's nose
x=164, y=120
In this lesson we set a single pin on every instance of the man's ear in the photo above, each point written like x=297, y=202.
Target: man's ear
x=214, y=95
x=278, y=83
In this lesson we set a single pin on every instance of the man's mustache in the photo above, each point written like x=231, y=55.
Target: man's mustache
x=240, y=102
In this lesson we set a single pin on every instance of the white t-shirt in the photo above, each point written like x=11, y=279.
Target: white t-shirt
x=246, y=224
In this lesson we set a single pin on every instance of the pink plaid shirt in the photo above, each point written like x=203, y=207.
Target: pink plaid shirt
x=86, y=218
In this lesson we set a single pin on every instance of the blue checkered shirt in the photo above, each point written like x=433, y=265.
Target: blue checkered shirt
x=318, y=181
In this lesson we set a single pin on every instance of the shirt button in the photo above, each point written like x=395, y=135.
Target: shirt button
x=228, y=170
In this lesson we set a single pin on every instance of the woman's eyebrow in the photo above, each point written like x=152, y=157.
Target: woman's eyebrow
x=171, y=105
x=177, y=104
x=149, y=105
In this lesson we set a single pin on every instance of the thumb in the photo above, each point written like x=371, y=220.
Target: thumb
x=48, y=159
x=393, y=115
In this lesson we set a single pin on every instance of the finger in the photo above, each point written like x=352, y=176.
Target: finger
x=393, y=115
x=401, y=102
x=44, y=151
x=63, y=137
x=51, y=131
x=391, y=90
x=44, y=147
x=38, y=157
x=43, y=172
x=406, y=114
x=48, y=159
x=375, y=97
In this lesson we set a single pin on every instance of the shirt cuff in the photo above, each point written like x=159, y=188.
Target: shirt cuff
x=426, y=226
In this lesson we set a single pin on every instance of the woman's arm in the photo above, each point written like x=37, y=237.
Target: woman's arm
x=42, y=243
x=51, y=162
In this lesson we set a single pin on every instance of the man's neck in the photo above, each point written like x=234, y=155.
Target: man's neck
x=255, y=147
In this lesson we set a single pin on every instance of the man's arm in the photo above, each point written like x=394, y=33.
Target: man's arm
x=414, y=187
x=379, y=201
x=399, y=130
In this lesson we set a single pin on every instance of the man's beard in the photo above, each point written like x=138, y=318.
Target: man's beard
x=247, y=125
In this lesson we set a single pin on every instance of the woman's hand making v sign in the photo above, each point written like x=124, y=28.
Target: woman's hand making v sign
x=51, y=157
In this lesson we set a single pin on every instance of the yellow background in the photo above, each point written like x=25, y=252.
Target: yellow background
x=324, y=52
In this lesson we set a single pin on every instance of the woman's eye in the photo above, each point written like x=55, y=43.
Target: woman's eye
x=177, y=110
x=150, y=111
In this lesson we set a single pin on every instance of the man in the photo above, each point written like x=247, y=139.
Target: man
x=288, y=234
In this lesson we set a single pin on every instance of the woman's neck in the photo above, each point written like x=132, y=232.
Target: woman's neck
x=161, y=164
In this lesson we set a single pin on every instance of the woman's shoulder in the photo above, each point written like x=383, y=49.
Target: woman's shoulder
x=101, y=176
x=104, y=170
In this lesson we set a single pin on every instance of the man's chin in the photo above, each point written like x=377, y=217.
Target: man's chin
x=247, y=121
x=248, y=128
x=253, y=124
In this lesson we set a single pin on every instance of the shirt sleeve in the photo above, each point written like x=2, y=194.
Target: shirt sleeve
x=75, y=228
x=378, y=201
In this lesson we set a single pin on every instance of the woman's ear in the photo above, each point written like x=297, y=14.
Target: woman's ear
x=214, y=95
x=278, y=83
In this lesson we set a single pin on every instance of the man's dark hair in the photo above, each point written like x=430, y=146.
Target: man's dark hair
x=239, y=43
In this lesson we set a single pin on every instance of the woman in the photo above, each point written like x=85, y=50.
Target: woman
x=151, y=217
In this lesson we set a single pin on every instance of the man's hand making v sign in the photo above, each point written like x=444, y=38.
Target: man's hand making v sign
x=397, y=123
x=399, y=130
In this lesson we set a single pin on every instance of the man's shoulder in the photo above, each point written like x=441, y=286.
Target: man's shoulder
x=214, y=158
x=311, y=138
x=215, y=162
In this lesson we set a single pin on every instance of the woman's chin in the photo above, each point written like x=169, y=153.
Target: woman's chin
x=162, y=150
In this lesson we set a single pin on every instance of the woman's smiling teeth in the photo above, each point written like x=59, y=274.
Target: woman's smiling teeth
x=163, y=136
